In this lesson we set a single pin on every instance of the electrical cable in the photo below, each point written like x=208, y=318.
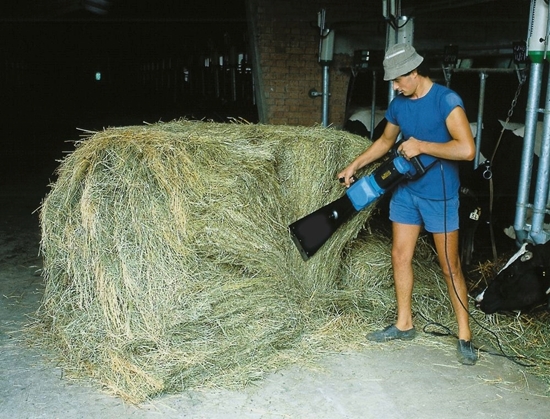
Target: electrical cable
x=393, y=21
x=503, y=353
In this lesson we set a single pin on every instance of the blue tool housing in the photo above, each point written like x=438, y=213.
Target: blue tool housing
x=369, y=188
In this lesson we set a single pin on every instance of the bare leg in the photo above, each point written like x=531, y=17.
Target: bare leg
x=447, y=250
x=404, y=243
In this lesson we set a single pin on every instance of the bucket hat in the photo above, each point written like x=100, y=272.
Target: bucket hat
x=400, y=59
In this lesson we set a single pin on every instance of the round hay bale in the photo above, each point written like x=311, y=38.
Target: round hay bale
x=168, y=262
x=167, y=257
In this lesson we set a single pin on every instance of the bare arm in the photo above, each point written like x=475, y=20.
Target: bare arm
x=460, y=147
x=377, y=149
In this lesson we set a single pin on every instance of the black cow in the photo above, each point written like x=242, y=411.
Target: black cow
x=489, y=192
x=523, y=283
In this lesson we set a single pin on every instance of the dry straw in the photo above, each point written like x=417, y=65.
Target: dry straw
x=169, y=266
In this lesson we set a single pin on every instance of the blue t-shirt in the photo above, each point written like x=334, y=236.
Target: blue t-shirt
x=424, y=119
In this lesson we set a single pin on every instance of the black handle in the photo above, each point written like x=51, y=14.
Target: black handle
x=352, y=178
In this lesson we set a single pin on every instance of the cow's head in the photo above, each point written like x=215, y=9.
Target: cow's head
x=522, y=283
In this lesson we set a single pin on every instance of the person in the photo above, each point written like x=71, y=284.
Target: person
x=431, y=120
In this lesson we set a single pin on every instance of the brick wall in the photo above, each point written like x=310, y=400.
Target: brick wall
x=285, y=46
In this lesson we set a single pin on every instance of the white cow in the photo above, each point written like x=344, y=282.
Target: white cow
x=364, y=115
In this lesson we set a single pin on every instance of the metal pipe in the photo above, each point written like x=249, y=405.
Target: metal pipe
x=538, y=234
x=482, y=83
x=326, y=94
x=233, y=84
x=531, y=116
x=373, y=106
x=483, y=70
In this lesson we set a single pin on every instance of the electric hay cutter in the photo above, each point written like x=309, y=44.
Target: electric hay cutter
x=312, y=231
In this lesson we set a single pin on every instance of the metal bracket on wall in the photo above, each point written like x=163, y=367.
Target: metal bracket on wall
x=313, y=93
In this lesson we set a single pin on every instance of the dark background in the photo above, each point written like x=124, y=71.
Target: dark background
x=151, y=56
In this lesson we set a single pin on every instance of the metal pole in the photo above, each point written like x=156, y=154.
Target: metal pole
x=373, y=106
x=538, y=234
x=326, y=94
x=531, y=116
x=482, y=83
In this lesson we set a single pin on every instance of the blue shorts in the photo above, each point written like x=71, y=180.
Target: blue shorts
x=406, y=208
